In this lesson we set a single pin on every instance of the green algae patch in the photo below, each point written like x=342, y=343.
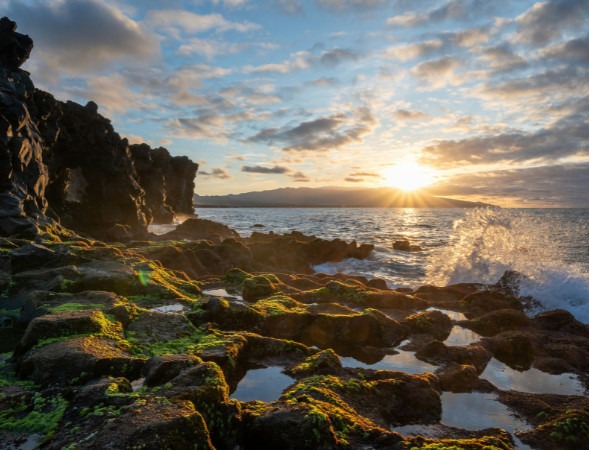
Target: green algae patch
x=154, y=279
x=279, y=304
x=236, y=276
x=76, y=307
x=258, y=287
x=38, y=414
x=326, y=361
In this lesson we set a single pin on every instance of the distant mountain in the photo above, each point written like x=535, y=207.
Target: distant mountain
x=333, y=197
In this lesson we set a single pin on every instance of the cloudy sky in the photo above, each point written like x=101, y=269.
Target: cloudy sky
x=490, y=97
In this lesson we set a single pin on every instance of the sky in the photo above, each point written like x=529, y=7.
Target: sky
x=489, y=100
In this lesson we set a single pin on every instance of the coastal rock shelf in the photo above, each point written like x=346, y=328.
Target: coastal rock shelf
x=98, y=334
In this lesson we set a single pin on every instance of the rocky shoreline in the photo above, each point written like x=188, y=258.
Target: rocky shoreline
x=112, y=337
x=94, y=361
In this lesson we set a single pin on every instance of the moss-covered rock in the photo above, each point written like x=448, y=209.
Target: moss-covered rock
x=76, y=360
x=434, y=323
x=257, y=287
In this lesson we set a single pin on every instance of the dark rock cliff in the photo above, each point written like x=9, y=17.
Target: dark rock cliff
x=64, y=161
x=23, y=176
x=168, y=181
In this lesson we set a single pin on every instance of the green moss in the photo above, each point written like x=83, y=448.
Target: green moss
x=236, y=276
x=8, y=376
x=76, y=307
x=257, y=287
x=40, y=415
x=278, y=304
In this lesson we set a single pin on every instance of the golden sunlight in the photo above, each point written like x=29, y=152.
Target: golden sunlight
x=408, y=176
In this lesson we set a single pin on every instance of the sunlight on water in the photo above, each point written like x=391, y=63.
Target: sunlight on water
x=459, y=245
x=533, y=380
x=477, y=411
x=403, y=361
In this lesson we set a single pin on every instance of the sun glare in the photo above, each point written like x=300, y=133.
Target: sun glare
x=408, y=177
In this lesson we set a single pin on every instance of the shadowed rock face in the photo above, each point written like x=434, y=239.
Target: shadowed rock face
x=23, y=176
x=168, y=181
x=65, y=160
x=93, y=184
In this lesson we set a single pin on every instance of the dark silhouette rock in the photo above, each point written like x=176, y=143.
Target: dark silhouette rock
x=168, y=182
x=23, y=175
x=93, y=184
x=65, y=161
x=405, y=246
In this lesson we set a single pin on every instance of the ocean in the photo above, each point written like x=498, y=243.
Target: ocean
x=550, y=247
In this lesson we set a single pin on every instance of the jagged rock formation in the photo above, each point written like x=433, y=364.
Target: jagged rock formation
x=92, y=180
x=65, y=161
x=168, y=181
x=23, y=176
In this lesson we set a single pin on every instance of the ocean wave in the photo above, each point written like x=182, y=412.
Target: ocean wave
x=489, y=242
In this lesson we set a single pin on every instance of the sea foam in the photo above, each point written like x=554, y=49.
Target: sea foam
x=488, y=242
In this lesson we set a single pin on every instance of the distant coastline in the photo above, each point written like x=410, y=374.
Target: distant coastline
x=332, y=197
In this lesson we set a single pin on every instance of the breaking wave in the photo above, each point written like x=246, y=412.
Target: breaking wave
x=488, y=242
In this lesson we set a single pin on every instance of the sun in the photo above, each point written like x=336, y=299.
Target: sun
x=408, y=176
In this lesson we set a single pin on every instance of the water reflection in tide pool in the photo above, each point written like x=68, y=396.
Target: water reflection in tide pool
x=461, y=336
x=477, y=411
x=404, y=361
x=265, y=384
x=474, y=411
x=454, y=315
x=533, y=381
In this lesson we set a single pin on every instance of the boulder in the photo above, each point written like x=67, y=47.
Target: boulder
x=437, y=353
x=498, y=321
x=434, y=323
x=72, y=361
x=405, y=245
x=67, y=323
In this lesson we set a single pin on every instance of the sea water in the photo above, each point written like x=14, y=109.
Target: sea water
x=548, y=246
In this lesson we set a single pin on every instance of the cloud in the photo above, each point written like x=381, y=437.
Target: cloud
x=209, y=47
x=548, y=20
x=354, y=180
x=562, y=185
x=568, y=137
x=230, y=3
x=453, y=9
x=321, y=134
x=216, y=172
x=111, y=92
x=344, y=5
x=276, y=170
x=175, y=21
x=405, y=114
x=204, y=126
x=573, y=51
x=81, y=36
x=412, y=51
x=366, y=174
x=558, y=81
x=337, y=56
x=502, y=58
x=290, y=6
x=305, y=59
x=299, y=177
x=297, y=61
x=440, y=72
